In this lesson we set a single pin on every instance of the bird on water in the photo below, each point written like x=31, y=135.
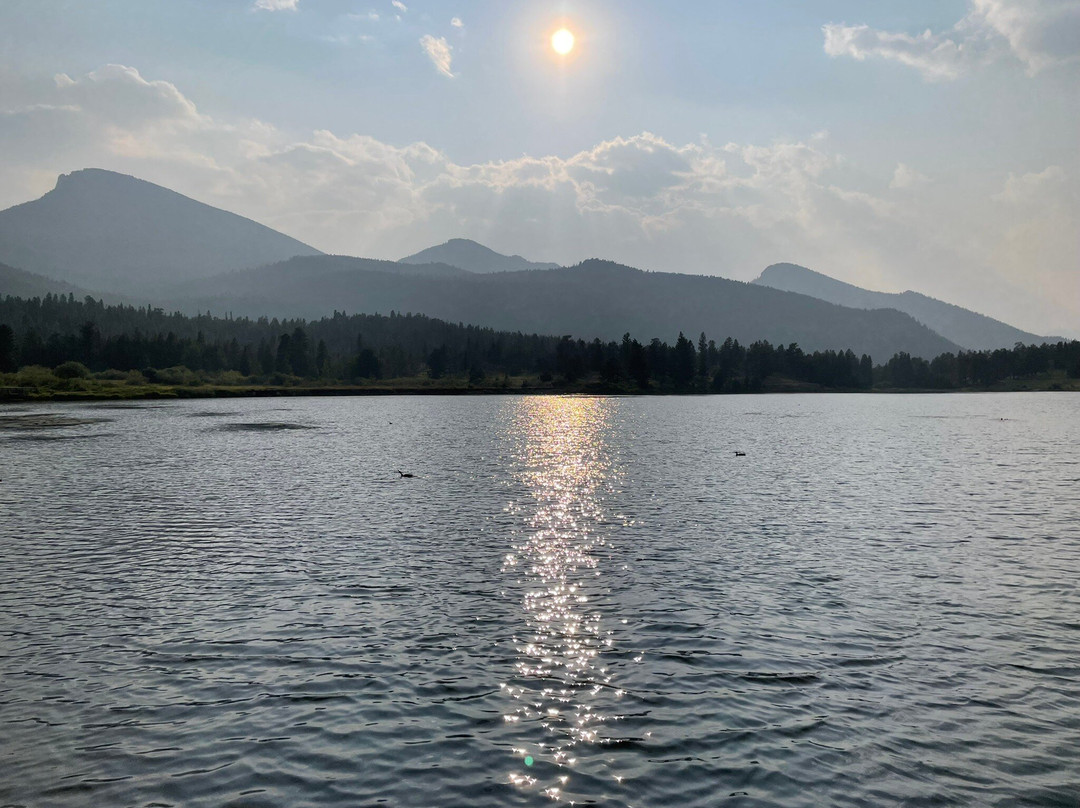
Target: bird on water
x=404, y=475
x=740, y=454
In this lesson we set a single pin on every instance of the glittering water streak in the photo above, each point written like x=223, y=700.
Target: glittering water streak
x=563, y=690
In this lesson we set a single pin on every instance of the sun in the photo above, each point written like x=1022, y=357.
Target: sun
x=562, y=41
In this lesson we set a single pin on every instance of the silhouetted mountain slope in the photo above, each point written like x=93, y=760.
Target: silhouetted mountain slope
x=313, y=272
x=118, y=233
x=593, y=299
x=20, y=283
x=966, y=328
x=474, y=257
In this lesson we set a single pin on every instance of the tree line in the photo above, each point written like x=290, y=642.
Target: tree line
x=79, y=337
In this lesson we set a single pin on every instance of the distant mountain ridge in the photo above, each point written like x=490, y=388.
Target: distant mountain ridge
x=20, y=283
x=966, y=328
x=594, y=299
x=473, y=257
x=114, y=232
x=121, y=236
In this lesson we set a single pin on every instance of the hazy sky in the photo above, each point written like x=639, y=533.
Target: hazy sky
x=923, y=144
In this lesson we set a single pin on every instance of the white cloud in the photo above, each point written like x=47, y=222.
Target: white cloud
x=1028, y=188
x=698, y=207
x=439, y=52
x=456, y=22
x=907, y=177
x=276, y=5
x=937, y=57
x=399, y=6
x=1039, y=33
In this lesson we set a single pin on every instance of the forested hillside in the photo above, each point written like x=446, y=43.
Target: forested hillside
x=77, y=338
x=594, y=299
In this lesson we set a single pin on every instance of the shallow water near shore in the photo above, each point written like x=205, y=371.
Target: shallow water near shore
x=575, y=599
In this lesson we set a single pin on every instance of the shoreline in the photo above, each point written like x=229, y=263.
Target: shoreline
x=177, y=392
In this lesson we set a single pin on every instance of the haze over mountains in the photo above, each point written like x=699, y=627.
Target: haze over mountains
x=108, y=232
x=967, y=329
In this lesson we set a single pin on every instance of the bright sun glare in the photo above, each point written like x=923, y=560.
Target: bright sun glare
x=562, y=41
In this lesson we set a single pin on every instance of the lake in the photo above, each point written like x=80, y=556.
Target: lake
x=586, y=600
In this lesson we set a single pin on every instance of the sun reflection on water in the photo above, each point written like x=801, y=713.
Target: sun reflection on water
x=562, y=690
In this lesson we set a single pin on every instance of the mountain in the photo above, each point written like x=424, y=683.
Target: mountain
x=117, y=233
x=468, y=255
x=593, y=299
x=317, y=273
x=20, y=283
x=966, y=328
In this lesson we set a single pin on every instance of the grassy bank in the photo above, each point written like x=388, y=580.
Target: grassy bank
x=40, y=386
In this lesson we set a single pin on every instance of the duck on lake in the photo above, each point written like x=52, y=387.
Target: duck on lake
x=404, y=475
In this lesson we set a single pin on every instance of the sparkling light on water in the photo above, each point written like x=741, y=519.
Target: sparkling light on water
x=562, y=687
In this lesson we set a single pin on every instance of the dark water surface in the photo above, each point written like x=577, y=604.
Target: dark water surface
x=588, y=600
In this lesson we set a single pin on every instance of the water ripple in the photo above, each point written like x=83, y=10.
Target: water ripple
x=578, y=599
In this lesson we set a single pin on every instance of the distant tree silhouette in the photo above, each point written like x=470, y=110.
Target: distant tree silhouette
x=299, y=353
x=683, y=365
x=636, y=361
x=437, y=362
x=7, y=349
x=367, y=365
x=244, y=364
x=702, y=359
x=567, y=359
x=281, y=361
x=265, y=358
x=866, y=372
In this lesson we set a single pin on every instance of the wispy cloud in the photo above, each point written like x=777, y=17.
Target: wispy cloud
x=399, y=6
x=457, y=23
x=276, y=5
x=439, y=52
x=937, y=57
x=1038, y=33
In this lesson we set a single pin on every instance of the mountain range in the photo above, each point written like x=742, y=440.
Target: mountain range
x=966, y=328
x=593, y=299
x=104, y=231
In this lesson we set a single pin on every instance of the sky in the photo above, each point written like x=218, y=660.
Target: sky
x=917, y=144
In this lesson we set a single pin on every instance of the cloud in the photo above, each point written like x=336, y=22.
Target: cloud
x=439, y=52
x=456, y=22
x=399, y=6
x=907, y=177
x=642, y=199
x=937, y=57
x=1028, y=188
x=1039, y=33
x=276, y=5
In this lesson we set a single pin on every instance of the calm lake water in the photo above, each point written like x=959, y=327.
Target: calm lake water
x=589, y=600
